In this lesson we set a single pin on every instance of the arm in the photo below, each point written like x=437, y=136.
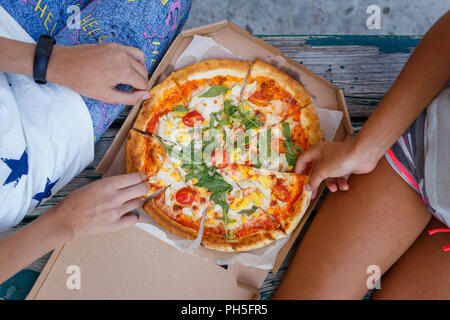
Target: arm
x=424, y=75
x=101, y=206
x=91, y=70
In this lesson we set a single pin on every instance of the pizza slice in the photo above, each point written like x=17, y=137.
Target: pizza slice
x=280, y=194
x=145, y=153
x=278, y=147
x=180, y=207
x=271, y=94
x=207, y=84
x=165, y=97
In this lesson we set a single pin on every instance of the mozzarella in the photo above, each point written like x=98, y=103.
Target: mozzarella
x=249, y=89
x=205, y=106
x=236, y=90
x=187, y=211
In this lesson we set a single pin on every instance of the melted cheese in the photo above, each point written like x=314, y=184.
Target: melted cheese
x=206, y=106
x=249, y=89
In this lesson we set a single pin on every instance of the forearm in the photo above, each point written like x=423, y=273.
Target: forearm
x=16, y=56
x=424, y=75
x=31, y=242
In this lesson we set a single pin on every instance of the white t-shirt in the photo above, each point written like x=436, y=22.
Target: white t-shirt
x=46, y=137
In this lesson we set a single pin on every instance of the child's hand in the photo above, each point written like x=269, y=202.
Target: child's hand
x=335, y=161
x=101, y=206
x=94, y=71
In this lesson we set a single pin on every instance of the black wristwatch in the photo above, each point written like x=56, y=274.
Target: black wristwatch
x=42, y=54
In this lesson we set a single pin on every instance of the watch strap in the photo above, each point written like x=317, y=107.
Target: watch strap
x=42, y=55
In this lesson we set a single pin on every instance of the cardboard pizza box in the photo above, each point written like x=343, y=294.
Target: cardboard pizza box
x=132, y=264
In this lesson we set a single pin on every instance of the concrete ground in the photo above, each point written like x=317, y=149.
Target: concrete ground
x=399, y=17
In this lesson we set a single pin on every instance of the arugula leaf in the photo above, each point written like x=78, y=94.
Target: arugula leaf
x=286, y=130
x=180, y=108
x=229, y=108
x=214, y=91
x=298, y=148
x=209, y=178
x=248, y=121
x=290, y=154
x=248, y=211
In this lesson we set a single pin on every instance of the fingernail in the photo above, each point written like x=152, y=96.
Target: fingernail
x=146, y=95
x=308, y=187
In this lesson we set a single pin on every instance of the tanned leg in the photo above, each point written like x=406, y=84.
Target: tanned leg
x=373, y=223
x=423, y=272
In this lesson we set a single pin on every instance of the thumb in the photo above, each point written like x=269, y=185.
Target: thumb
x=317, y=176
x=308, y=156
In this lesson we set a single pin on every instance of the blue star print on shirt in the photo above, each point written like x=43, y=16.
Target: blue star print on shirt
x=47, y=193
x=18, y=168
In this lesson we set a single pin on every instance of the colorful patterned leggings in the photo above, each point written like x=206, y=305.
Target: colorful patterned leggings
x=149, y=25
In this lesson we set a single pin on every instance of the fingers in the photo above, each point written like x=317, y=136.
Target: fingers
x=342, y=184
x=126, y=180
x=133, y=78
x=127, y=220
x=139, y=69
x=310, y=155
x=128, y=206
x=135, y=53
x=133, y=192
x=128, y=98
x=332, y=184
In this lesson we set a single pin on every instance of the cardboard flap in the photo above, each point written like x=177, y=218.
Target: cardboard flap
x=131, y=264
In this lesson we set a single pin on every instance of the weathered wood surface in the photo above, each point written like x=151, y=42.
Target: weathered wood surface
x=364, y=67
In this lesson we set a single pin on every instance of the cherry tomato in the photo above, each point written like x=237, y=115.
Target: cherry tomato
x=185, y=196
x=193, y=118
x=219, y=158
x=281, y=193
x=259, y=99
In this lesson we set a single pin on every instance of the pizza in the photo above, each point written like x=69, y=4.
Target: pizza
x=218, y=140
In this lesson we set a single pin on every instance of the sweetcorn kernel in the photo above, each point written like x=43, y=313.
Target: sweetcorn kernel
x=175, y=176
x=211, y=222
x=244, y=203
x=243, y=219
x=255, y=198
x=265, y=181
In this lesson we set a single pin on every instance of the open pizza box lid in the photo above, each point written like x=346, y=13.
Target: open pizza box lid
x=132, y=264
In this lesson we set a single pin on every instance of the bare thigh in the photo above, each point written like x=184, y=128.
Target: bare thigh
x=423, y=272
x=373, y=223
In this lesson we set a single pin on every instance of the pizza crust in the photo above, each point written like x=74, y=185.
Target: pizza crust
x=143, y=153
x=248, y=242
x=210, y=68
x=292, y=86
x=149, y=106
x=164, y=220
x=311, y=124
x=299, y=208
